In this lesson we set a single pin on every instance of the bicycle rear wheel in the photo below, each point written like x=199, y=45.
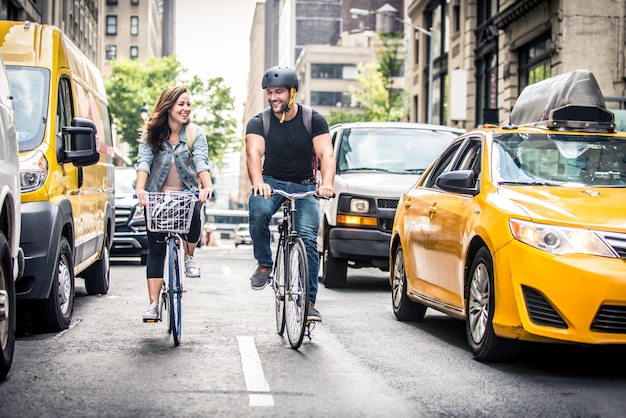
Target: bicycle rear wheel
x=296, y=292
x=175, y=291
x=279, y=288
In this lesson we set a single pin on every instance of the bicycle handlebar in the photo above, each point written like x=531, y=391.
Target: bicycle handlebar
x=296, y=196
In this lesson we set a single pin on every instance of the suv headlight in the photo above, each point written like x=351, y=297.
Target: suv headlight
x=559, y=240
x=33, y=171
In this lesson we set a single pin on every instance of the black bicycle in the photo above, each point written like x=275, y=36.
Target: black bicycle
x=290, y=274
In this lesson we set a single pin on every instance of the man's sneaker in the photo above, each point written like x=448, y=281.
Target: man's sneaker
x=191, y=270
x=313, y=314
x=260, y=278
x=152, y=313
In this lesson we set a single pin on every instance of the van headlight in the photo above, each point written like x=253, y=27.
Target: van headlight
x=33, y=171
x=560, y=240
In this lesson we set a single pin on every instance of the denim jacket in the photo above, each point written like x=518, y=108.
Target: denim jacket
x=189, y=164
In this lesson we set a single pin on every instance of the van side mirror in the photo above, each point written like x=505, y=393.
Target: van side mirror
x=79, y=143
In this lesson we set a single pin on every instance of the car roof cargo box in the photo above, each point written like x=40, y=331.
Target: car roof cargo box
x=570, y=101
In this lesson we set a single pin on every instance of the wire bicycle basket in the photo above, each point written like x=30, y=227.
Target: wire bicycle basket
x=170, y=211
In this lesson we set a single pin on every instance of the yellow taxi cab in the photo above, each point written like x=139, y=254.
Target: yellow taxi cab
x=520, y=230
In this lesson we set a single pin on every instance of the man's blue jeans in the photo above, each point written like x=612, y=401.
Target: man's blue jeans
x=307, y=224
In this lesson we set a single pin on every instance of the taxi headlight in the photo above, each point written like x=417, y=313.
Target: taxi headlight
x=559, y=240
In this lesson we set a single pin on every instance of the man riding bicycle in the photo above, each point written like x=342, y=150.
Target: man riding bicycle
x=283, y=156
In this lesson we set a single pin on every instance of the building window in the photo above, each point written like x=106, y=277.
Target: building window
x=331, y=98
x=333, y=71
x=111, y=51
x=134, y=2
x=134, y=52
x=111, y=25
x=534, y=61
x=111, y=2
x=134, y=25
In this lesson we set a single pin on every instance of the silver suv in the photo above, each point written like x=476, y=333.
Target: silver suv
x=375, y=162
x=11, y=256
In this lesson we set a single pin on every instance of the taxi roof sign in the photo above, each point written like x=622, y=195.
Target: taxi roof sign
x=569, y=101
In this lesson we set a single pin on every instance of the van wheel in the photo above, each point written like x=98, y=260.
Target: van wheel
x=7, y=308
x=97, y=276
x=55, y=313
x=334, y=270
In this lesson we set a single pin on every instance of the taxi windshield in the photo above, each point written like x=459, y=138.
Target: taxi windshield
x=559, y=160
x=29, y=88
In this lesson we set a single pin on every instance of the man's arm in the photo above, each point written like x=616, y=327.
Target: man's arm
x=255, y=149
x=323, y=147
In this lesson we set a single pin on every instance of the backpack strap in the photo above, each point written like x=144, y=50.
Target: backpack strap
x=307, y=118
x=190, y=134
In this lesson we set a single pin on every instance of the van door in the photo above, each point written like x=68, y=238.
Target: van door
x=71, y=173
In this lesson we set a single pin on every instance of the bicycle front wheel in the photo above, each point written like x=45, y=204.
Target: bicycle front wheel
x=296, y=292
x=175, y=290
x=279, y=289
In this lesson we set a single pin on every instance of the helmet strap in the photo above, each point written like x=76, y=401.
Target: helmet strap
x=292, y=97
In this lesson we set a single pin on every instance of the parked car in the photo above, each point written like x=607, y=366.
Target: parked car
x=520, y=230
x=242, y=235
x=375, y=163
x=11, y=255
x=130, y=238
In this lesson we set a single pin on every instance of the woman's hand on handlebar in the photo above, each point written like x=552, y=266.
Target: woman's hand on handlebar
x=142, y=196
x=205, y=194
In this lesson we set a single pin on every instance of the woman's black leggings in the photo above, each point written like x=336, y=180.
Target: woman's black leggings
x=156, y=241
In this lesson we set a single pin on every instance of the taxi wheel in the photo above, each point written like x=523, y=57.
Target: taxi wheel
x=485, y=344
x=403, y=308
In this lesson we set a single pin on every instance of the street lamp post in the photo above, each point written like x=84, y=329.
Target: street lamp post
x=429, y=101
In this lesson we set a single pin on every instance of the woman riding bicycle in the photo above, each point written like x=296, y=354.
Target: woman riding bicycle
x=166, y=162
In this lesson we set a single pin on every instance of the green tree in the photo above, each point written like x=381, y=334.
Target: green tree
x=132, y=84
x=376, y=93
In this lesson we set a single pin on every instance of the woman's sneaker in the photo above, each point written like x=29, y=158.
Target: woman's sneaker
x=152, y=313
x=191, y=270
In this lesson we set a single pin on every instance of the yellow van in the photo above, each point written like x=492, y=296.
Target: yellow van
x=66, y=170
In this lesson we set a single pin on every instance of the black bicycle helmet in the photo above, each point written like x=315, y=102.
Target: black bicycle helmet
x=280, y=76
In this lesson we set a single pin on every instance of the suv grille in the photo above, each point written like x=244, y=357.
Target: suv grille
x=388, y=203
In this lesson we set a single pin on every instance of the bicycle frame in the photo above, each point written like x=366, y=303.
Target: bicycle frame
x=290, y=278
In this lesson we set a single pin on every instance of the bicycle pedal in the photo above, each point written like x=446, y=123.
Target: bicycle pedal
x=150, y=321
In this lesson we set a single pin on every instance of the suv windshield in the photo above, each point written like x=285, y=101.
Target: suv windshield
x=396, y=150
x=30, y=89
x=563, y=160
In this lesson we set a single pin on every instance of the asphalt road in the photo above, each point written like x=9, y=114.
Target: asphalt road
x=360, y=362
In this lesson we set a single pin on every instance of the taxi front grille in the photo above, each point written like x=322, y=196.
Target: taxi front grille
x=610, y=318
x=540, y=310
x=616, y=241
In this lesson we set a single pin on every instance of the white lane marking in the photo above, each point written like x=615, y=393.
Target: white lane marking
x=226, y=270
x=253, y=373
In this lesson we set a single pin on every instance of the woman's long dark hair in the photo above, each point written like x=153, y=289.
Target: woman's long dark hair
x=156, y=128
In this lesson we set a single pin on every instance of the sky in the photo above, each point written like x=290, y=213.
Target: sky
x=212, y=40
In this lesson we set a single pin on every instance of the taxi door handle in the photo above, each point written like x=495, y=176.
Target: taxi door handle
x=432, y=211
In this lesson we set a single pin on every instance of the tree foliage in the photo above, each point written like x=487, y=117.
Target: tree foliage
x=376, y=93
x=132, y=84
